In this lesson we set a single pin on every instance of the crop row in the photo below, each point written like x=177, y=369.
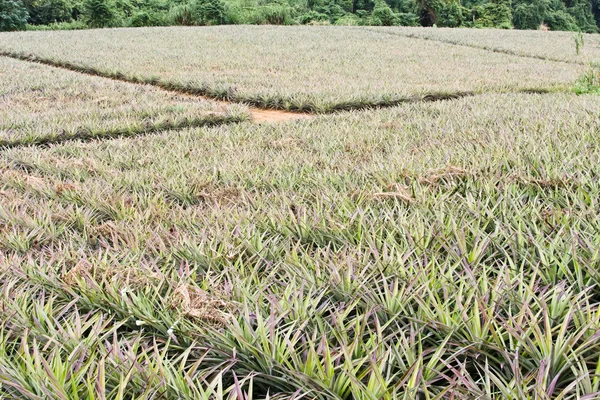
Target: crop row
x=435, y=249
x=40, y=104
x=327, y=68
x=551, y=46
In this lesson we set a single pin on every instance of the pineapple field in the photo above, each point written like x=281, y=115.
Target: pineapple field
x=323, y=212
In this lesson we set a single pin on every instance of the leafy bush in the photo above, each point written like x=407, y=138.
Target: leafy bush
x=331, y=8
x=273, y=14
x=147, y=18
x=209, y=12
x=58, y=26
x=44, y=12
x=182, y=14
x=582, y=13
x=530, y=14
x=407, y=19
x=312, y=17
x=589, y=82
x=561, y=21
x=527, y=16
x=13, y=15
x=383, y=14
x=496, y=14
x=450, y=14
x=99, y=13
x=349, y=20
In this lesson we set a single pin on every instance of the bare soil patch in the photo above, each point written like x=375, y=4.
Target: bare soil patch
x=262, y=116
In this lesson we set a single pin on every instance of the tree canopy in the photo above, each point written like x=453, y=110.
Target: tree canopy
x=571, y=15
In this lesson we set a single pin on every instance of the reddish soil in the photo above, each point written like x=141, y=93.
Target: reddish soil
x=265, y=116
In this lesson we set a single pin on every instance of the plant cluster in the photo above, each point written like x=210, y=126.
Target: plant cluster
x=332, y=68
x=550, y=46
x=44, y=105
x=570, y=15
x=432, y=250
x=13, y=15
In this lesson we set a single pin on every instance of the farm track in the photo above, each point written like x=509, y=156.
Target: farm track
x=473, y=46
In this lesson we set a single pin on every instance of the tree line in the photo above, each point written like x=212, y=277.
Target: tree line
x=568, y=15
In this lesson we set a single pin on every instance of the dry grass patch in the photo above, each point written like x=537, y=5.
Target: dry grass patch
x=198, y=304
x=115, y=275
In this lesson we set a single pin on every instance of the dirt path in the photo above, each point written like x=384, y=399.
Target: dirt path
x=265, y=116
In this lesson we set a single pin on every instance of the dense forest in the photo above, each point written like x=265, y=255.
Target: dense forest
x=571, y=15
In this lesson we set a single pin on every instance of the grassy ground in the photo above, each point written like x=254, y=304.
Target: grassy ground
x=431, y=250
x=294, y=68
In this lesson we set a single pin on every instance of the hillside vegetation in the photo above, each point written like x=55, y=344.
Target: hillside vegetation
x=569, y=15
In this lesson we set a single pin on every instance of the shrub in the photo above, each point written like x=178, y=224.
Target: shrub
x=561, y=21
x=58, y=26
x=589, y=82
x=146, y=18
x=383, y=15
x=182, y=14
x=127, y=9
x=527, y=16
x=348, y=20
x=44, y=12
x=273, y=14
x=209, y=12
x=13, y=15
x=99, y=13
x=331, y=9
x=313, y=17
x=496, y=14
x=407, y=19
x=450, y=14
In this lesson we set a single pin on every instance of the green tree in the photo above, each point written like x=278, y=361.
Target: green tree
x=529, y=14
x=147, y=18
x=581, y=10
x=428, y=10
x=182, y=15
x=383, y=15
x=450, y=14
x=403, y=6
x=495, y=14
x=445, y=13
x=209, y=12
x=43, y=12
x=13, y=15
x=561, y=21
x=407, y=19
x=99, y=13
